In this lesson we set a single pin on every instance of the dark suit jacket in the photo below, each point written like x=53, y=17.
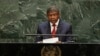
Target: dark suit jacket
x=63, y=28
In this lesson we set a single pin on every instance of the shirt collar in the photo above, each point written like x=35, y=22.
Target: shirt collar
x=55, y=23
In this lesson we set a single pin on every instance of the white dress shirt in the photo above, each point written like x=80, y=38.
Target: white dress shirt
x=51, y=25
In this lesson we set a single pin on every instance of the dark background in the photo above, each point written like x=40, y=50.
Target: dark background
x=35, y=49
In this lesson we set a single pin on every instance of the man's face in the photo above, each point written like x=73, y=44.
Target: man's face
x=53, y=16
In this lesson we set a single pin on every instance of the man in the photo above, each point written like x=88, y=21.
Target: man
x=54, y=25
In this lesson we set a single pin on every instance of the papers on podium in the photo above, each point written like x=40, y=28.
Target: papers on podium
x=50, y=40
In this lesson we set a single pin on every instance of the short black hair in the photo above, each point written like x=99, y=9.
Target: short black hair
x=52, y=8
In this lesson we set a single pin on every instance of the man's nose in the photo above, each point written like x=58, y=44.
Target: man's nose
x=52, y=16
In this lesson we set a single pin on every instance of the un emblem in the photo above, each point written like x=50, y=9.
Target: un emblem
x=50, y=51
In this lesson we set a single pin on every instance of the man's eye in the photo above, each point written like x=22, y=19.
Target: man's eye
x=54, y=15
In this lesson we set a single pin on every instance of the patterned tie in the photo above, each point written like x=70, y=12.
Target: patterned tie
x=54, y=30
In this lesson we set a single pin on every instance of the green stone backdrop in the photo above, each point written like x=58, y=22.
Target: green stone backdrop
x=20, y=17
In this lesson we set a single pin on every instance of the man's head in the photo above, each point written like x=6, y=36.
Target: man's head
x=53, y=14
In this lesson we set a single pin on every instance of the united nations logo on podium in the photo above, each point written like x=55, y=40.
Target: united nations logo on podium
x=50, y=51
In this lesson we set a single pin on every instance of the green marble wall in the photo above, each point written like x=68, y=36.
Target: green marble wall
x=20, y=17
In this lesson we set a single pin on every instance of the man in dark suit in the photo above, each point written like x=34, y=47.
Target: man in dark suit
x=54, y=25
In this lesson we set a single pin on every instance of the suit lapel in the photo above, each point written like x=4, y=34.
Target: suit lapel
x=59, y=28
x=48, y=29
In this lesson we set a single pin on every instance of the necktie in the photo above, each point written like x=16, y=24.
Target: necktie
x=54, y=30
